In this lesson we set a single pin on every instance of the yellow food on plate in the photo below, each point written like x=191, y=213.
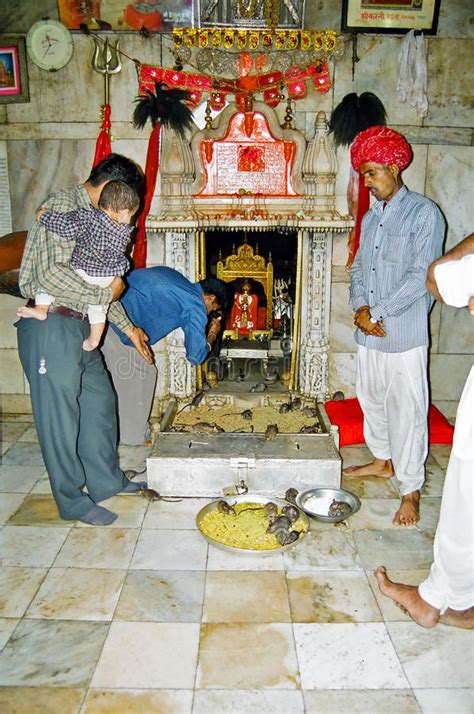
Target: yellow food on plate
x=247, y=529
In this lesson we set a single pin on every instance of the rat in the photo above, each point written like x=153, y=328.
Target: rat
x=270, y=432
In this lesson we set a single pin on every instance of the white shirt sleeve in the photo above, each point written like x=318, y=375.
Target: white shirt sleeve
x=455, y=281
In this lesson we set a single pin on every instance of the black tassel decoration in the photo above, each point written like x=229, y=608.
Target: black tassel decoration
x=166, y=107
x=354, y=114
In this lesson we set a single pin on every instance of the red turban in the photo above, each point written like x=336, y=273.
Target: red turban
x=380, y=145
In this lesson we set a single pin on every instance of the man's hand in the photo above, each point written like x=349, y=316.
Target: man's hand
x=214, y=329
x=362, y=321
x=140, y=339
x=117, y=287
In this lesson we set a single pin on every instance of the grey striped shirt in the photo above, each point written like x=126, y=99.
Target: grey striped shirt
x=389, y=272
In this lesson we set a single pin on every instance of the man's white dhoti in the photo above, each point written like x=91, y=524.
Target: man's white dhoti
x=451, y=580
x=392, y=389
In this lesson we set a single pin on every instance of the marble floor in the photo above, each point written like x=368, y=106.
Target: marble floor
x=145, y=617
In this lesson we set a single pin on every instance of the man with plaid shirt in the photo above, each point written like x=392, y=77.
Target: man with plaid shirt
x=73, y=401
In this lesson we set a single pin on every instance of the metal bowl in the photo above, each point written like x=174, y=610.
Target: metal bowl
x=316, y=502
x=248, y=498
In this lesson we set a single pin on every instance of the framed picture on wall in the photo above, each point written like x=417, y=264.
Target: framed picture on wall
x=395, y=16
x=13, y=70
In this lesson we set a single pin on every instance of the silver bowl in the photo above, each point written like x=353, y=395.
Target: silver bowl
x=249, y=498
x=316, y=501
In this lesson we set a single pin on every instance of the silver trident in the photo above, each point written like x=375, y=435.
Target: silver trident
x=106, y=61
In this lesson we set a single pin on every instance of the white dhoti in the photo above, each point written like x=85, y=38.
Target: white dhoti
x=451, y=580
x=392, y=389
x=134, y=382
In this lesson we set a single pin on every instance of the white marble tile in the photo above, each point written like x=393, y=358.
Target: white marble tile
x=148, y=655
x=9, y=503
x=17, y=588
x=8, y=308
x=43, y=486
x=31, y=546
x=448, y=374
x=342, y=372
x=341, y=333
x=59, y=700
x=441, y=453
x=30, y=659
x=332, y=596
x=361, y=701
x=402, y=549
x=170, y=550
x=181, y=515
x=12, y=430
x=66, y=594
x=237, y=596
x=247, y=656
x=162, y=596
x=30, y=435
x=23, y=455
x=4, y=446
x=449, y=83
x=98, y=548
x=323, y=550
x=7, y=625
x=224, y=560
x=414, y=176
x=19, y=479
x=133, y=457
x=440, y=701
x=440, y=657
x=136, y=701
x=347, y=656
x=375, y=514
x=434, y=478
x=250, y=701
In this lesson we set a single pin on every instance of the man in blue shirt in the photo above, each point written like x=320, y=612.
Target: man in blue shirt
x=160, y=300
x=401, y=235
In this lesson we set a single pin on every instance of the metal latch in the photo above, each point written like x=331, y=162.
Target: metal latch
x=242, y=463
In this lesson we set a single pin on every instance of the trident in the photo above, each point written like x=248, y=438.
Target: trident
x=106, y=61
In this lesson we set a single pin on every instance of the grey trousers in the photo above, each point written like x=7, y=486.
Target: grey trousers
x=75, y=412
x=134, y=381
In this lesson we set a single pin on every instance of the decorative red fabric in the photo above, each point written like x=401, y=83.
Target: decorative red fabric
x=102, y=147
x=151, y=172
x=348, y=416
x=380, y=145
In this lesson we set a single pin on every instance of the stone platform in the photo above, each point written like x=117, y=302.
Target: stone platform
x=196, y=464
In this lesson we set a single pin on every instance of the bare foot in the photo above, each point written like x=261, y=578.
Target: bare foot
x=35, y=312
x=409, y=512
x=407, y=598
x=378, y=467
x=459, y=618
x=88, y=345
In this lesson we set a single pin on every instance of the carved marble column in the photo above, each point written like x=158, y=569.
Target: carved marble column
x=177, y=174
x=315, y=286
x=180, y=252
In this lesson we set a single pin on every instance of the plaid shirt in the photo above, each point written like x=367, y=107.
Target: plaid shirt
x=100, y=241
x=46, y=264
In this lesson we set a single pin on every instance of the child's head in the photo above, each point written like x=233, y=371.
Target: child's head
x=119, y=201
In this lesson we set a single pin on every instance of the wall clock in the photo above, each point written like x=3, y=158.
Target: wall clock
x=49, y=44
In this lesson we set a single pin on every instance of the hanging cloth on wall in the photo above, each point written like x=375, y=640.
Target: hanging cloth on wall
x=412, y=72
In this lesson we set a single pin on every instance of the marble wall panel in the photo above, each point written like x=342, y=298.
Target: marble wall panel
x=8, y=308
x=456, y=19
x=341, y=331
x=456, y=333
x=11, y=373
x=449, y=82
x=38, y=168
x=376, y=72
x=342, y=373
x=449, y=183
x=448, y=374
x=19, y=16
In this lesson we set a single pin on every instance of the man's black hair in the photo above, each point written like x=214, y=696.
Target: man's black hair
x=119, y=196
x=214, y=286
x=116, y=167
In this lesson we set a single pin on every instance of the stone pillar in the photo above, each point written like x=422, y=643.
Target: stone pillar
x=314, y=343
x=177, y=174
x=319, y=170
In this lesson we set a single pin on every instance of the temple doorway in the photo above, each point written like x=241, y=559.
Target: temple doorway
x=260, y=268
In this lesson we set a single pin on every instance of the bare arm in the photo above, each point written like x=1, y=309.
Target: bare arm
x=465, y=247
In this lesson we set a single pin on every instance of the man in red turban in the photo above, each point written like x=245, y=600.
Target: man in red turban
x=401, y=235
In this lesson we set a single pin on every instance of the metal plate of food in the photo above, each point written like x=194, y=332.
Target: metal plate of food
x=330, y=505
x=240, y=524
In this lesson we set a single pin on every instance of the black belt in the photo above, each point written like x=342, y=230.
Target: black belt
x=64, y=311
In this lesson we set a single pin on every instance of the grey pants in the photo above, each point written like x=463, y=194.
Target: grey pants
x=134, y=382
x=75, y=412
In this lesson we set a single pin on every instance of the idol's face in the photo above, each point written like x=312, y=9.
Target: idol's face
x=382, y=181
